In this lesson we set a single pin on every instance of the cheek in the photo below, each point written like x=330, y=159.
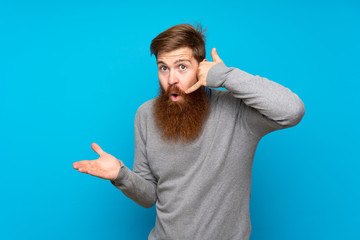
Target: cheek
x=191, y=79
x=163, y=82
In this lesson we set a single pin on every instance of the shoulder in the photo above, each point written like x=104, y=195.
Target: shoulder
x=145, y=110
x=146, y=106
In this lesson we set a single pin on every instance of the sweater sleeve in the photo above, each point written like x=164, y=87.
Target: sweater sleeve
x=269, y=105
x=139, y=184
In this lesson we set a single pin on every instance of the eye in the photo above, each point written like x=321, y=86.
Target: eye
x=163, y=68
x=182, y=67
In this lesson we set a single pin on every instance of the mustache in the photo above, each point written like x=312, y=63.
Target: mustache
x=174, y=89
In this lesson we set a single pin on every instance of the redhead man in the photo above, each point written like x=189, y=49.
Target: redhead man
x=195, y=144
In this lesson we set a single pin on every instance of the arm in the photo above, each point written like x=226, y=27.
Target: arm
x=139, y=185
x=270, y=106
x=276, y=106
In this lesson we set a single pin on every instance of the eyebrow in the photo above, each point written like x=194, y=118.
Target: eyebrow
x=177, y=61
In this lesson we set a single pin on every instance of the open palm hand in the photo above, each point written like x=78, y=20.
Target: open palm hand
x=106, y=166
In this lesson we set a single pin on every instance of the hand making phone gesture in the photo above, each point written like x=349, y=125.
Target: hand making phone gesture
x=203, y=70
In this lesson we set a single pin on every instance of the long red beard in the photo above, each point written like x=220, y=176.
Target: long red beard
x=182, y=120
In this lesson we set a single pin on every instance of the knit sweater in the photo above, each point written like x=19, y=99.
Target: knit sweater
x=202, y=189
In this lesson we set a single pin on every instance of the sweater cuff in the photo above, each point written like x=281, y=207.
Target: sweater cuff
x=121, y=175
x=217, y=75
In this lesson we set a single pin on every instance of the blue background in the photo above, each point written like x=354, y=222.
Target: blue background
x=75, y=72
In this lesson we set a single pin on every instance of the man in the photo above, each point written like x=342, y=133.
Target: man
x=194, y=146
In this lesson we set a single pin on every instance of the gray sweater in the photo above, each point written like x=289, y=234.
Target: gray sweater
x=202, y=189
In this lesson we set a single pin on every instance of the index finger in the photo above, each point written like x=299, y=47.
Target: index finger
x=194, y=87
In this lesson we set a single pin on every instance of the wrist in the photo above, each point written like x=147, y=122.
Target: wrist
x=121, y=165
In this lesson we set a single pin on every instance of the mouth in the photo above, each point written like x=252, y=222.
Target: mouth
x=175, y=96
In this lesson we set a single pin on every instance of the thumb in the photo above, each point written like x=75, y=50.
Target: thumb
x=97, y=149
x=215, y=56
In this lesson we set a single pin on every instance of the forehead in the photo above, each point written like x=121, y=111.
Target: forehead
x=184, y=53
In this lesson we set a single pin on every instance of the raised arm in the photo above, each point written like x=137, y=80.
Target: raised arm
x=273, y=106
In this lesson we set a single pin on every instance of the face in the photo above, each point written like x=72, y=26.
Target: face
x=177, y=68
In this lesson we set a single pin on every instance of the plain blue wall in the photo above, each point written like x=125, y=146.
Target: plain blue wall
x=75, y=72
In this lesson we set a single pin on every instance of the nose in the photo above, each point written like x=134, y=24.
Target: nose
x=172, y=80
